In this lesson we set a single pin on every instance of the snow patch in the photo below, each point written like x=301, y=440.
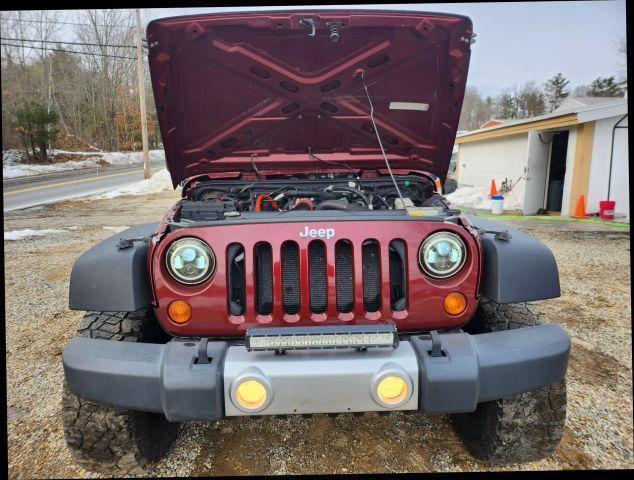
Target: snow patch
x=13, y=161
x=159, y=182
x=21, y=234
x=128, y=158
x=478, y=198
x=26, y=169
x=9, y=157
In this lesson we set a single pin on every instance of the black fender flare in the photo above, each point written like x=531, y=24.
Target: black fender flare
x=520, y=269
x=109, y=279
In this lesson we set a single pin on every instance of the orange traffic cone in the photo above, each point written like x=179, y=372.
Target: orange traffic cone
x=438, y=185
x=580, y=211
x=494, y=190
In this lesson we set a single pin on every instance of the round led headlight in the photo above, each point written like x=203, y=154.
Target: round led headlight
x=442, y=254
x=190, y=260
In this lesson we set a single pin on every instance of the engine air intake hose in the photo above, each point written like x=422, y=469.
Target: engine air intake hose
x=338, y=205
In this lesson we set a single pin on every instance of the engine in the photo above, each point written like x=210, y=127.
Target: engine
x=214, y=200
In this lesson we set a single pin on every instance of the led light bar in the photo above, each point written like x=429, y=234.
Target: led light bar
x=319, y=337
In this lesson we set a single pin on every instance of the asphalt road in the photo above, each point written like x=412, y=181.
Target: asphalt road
x=41, y=189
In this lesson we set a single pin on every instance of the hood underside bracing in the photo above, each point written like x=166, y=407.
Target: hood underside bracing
x=231, y=86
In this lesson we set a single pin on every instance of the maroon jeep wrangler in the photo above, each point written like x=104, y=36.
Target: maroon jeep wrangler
x=311, y=265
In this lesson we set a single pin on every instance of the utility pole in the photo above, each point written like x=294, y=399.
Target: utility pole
x=139, y=69
x=50, y=91
x=50, y=84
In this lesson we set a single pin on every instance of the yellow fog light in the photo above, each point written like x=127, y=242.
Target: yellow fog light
x=392, y=389
x=251, y=391
x=391, y=386
x=251, y=394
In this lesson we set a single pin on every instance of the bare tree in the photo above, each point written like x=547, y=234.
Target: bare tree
x=25, y=67
x=38, y=25
x=95, y=96
x=506, y=104
x=580, y=91
x=521, y=102
x=530, y=100
x=622, y=51
x=112, y=34
x=475, y=110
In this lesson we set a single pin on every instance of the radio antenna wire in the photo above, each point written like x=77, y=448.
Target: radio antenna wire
x=378, y=137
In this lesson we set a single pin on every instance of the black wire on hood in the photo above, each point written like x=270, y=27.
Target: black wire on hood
x=338, y=164
x=312, y=155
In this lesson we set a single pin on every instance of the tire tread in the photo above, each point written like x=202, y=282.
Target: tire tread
x=519, y=428
x=108, y=439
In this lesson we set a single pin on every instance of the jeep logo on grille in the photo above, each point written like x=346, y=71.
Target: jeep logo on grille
x=326, y=233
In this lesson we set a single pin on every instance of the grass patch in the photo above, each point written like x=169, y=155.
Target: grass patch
x=555, y=219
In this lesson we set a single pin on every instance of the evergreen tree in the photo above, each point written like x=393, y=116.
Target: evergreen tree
x=489, y=105
x=484, y=111
x=506, y=105
x=555, y=91
x=36, y=125
x=605, y=87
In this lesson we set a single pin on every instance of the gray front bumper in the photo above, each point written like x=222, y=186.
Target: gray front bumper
x=168, y=378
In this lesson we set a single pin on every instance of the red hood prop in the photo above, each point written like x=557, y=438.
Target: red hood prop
x=237, y=89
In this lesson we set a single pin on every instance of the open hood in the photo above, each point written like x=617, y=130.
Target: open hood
x=236, y=92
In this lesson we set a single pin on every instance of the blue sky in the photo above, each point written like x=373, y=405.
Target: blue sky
x=521, y=41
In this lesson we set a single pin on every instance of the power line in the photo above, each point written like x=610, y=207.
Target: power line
x=67, y=51
x=69, y=43
x=58, y=22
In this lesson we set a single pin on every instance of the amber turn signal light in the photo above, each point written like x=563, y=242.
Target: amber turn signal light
x=179, y=311
x=455, y=303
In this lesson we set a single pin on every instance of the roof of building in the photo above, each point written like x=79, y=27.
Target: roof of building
x=492, y=122
x=576, y=110
x=572, y=102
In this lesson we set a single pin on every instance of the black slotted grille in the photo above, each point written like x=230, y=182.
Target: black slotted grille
x=398, y=275
x=236, y=291
x=317, y=276
x=344, y=276
x=290, y=278
x=371, y=276
x=263, y=278
x=319, y=294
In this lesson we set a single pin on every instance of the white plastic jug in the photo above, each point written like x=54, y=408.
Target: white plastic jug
x=497, y=204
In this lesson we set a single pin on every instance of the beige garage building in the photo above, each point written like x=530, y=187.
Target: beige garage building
x=579, y=149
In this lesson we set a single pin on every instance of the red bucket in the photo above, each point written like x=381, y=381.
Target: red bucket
x=606, y=209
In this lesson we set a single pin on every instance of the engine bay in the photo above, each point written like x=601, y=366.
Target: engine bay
x=215, y=199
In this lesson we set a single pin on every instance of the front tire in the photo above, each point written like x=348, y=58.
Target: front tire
x=520, y=428
x=103, y=438
x=451, y=184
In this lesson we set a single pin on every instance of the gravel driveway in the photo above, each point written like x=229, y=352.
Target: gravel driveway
x=594, y=308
